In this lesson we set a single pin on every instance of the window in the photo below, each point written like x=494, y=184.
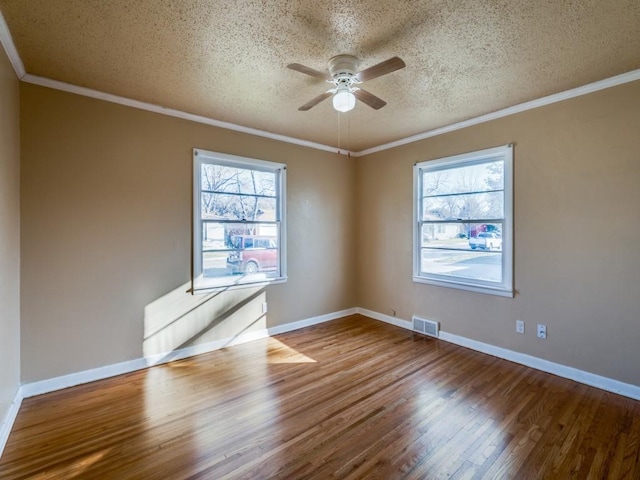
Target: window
x=463, y=234
x=239, y=221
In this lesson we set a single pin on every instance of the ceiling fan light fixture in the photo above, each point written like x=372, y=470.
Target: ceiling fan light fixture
x=344, y=100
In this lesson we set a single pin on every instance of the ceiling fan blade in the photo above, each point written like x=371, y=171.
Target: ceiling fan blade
x=308, y=71
x=380, y=69
x=315, y=101
x=369, y=98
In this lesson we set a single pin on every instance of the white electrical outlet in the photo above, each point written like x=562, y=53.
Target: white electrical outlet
x=542, y=331
x=519, y=326
x=264, y=307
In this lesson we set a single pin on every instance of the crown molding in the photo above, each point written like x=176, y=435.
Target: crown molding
x=631, y=76
x=7, y=42
x=628, y=77
x=9, y=46
x=108, y=97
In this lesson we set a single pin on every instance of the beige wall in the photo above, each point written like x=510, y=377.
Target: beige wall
x=106, y=210
x=9, y=235
x=106, y=216
x=577, y=234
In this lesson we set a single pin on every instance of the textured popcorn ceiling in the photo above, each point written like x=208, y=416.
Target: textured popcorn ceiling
x=227, y=59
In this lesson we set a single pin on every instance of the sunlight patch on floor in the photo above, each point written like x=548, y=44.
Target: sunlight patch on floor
x=76, y=469
x=279, y=352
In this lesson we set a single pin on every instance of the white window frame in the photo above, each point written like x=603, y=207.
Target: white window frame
x=504, y=288
x=280, y=169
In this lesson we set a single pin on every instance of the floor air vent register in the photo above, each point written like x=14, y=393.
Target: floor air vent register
x=426, y=327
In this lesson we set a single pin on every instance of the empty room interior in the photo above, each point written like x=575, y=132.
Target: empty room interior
x=319, y=239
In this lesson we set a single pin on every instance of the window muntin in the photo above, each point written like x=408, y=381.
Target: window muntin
x=239, y=221
x=463, y=221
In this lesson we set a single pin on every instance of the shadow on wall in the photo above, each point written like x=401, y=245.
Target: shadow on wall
x=179, y=319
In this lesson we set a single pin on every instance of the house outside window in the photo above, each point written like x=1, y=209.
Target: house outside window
x=239, y=227
x=463, y=221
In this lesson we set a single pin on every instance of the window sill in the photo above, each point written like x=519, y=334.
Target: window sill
x=247, y=283
x=466, y=286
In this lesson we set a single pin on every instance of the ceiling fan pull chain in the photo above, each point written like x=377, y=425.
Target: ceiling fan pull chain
x=349, y=136
x=339, y=132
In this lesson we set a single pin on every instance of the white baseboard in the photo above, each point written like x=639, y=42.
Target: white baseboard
x=58, y=383
x=9, y=419
x=86, y=376
x=73, y=379
x=580, y=376
x=242, y=338
x=398, y=322
x=571, y=373
x=289, y=327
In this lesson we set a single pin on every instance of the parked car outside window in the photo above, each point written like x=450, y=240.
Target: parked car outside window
x=252, y=254
x=486, y=241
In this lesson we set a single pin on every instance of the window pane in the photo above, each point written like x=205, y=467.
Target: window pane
x=462, y=250
x=465, y=179
x=236, y=248
x=219, y=178
x=462, y=236
x=445, y=235
x=477, y=265
x=464, y=206
x=238, y=207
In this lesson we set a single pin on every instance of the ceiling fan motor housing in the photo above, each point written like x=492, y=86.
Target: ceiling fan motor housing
x=343, y=64
x=343, y=69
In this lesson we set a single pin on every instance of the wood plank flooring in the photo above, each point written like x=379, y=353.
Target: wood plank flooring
x=350, y=399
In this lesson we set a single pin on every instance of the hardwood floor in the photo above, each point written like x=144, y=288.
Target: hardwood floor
x=352, y=398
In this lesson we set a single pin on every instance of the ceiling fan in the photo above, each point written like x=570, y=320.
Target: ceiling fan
x=344, y=75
